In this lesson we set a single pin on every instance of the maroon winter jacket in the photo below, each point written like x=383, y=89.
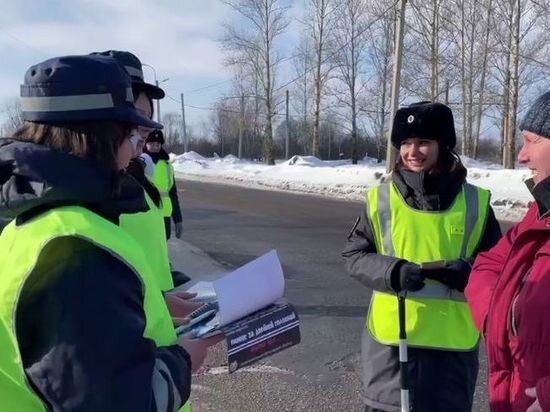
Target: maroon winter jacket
x=509, y=296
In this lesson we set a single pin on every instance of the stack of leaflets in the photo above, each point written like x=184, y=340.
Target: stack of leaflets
x=247, y=306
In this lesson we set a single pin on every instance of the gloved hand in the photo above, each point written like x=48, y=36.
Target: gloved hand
x=148, y=165
x=407, y=276
x=179, y=229
x=454, y=274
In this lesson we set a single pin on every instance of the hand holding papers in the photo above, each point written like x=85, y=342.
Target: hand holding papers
x=246, y=306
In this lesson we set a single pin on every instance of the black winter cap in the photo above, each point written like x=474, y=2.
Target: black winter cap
x=537, y=119
x=155, y=136
x=433, y=121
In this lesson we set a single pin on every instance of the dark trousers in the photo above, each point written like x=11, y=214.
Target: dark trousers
x=167, y=227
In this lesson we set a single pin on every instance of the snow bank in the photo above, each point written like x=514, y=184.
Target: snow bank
x=339, y=178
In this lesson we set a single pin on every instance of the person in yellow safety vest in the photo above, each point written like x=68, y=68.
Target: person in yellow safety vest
x=165, y=182
x=426, y=212
x=83, y=323
x=148, y=229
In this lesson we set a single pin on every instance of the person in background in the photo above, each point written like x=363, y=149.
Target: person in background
x=148, y=227
x=509, y=288
x=425, y=213
x=165, y=182
x=83, y=324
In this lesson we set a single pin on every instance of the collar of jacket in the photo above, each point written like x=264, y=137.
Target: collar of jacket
x=35, y=178
x=426, y=191
x=162, y=155
x=541, y=193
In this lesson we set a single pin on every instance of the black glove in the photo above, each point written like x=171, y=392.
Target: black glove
x=179, y=278
x=454, y=274
x=407, y=276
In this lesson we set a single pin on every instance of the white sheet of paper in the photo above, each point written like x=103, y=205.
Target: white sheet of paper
x=204, y=290
x=250, y=288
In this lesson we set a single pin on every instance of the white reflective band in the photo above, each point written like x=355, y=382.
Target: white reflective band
x=403, y=353
x=405, y=400
x=129, y=95
x=67, y=103
x=132, y=71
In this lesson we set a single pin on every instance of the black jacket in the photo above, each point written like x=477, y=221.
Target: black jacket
x=176, y=210
x=80, y=318
x=431, y=371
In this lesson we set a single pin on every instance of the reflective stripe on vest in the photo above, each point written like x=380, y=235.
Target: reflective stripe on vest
x=163, y=179
x=20, y=249
x=437, y=316
x=148, y=229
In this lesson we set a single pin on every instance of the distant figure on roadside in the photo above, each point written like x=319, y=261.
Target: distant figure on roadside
x=426, y=213
x=509, y=289
x=165, y=182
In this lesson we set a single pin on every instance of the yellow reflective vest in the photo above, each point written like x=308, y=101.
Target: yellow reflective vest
x=20, y=249
x=163, y=179
x=437, y=317
x=147, y=228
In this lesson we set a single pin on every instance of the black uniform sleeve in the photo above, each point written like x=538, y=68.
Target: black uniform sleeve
x=176, y=210
x=80, y=325
x=363, y=261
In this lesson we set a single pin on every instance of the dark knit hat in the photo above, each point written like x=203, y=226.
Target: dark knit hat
x=79, y=88
x=133, y=66
x=537, y=119
x=155, y=136
x=428, y=120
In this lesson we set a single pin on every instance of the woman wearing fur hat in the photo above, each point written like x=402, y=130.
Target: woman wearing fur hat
x=425, y=214
x=165, y=182
x=510, y=284
x=83, y=323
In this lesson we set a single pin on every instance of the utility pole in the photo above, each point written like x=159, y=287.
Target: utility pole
x=158, y=103
x=241, y=127
x=184, y=129
x=396, y=82
x=287, y=140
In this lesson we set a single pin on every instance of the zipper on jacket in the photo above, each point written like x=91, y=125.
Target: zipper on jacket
x=513, y=312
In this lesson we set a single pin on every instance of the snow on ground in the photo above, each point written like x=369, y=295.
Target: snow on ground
x=341, y=179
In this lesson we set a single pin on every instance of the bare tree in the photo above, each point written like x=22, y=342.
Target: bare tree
x=522, y=43
x=481, y=89
x=380, y=40
x=13, y=116
x=319, y=17
x=302, y=91
x=172, y=128
x=254, y=44
x=348, y=39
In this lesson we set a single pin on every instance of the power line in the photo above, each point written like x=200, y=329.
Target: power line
x=230, y=80
x=381, y=15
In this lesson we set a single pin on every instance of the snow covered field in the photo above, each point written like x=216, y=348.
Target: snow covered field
x=341, y=179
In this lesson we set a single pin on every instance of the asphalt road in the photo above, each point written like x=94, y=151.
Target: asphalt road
x=234, y=225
